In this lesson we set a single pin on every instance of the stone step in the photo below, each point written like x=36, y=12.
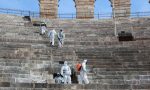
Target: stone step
x=91, y=32
x=89, y=53
x=22, y=36
x=121, y=82
x=20, y=75
x=98, y=72
x=23, y=40
x=117, y=64
x=16, y=71
x=27, y=78
x=20, y=66
x=95, y=57
x=40, y=41
x=38, y=37
x=121, y=49
x=27, y=36
x=128, y=61
x=10, y=54
x=21, y=61
x=22, y=52
x=100, y=63
x=122, y=69
x=5, y=75
x=12, y=23
x=45, y=86
x=13, y=28
x=46, y=42
x=23, y=80
x=7, y=79
x=123, y=77
x=90, y=63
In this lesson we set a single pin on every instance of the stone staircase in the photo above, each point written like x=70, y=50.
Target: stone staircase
x=28, y=62
x=23, y=57
x=118, y=66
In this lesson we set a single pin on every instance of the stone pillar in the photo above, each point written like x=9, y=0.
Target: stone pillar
x=121, y=8
x=48, y=8
x=84, y=9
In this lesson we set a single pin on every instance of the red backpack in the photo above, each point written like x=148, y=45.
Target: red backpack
x=78, y=66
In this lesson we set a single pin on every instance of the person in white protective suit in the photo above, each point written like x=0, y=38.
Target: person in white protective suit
x=83, y=73
x=66, y=73
x=51, y=35
x=43, y=30
x=61, y=37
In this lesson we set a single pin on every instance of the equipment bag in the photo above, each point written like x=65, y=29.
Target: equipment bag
x=78, y=67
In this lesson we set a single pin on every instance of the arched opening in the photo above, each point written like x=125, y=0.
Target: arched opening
x=140, y=8
x=66, y=9
x=102, y=9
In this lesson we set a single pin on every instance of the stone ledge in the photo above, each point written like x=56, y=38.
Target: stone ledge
x=73, y=86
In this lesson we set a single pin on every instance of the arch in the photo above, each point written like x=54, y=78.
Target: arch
x=66, y=9
x=102, y=8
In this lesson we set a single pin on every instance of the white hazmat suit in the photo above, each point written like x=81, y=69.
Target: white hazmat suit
x=83, y=73
x=66, y=72
x=43, y=30
x=51, y=35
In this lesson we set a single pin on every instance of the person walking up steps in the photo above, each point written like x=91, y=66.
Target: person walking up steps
x=51, y=35
x=83, y=73
x=61, y=37
x=43, y=30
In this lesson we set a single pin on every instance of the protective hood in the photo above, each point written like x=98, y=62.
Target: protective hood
x=65, y=63
x=85, y=61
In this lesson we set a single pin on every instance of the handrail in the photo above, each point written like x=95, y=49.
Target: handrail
x=19, y=12
x=72, y=15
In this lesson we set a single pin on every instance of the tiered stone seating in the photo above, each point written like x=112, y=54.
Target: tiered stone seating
x=11, y=20
x=21, y=60
x=117, y=66
x=27, y=61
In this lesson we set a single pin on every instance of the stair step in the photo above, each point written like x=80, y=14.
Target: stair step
x=39, y=86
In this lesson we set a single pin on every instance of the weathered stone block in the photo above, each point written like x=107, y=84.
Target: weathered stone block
x=51, y=7
x=121, y=8
x=4, y=84
x=85, y=9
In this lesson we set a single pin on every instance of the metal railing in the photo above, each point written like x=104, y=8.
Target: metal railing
x=67, y=16
x=19, y=12
x=71, y=15
x=140, y=14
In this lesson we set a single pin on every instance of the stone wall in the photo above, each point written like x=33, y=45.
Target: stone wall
x=85, y=9
x=121, y=8
x=48, y=8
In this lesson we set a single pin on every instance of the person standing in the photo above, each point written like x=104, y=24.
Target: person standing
x=61, y=37
x=66, y=73
x=43, y=30
x=83, y=73
x=51, y=35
